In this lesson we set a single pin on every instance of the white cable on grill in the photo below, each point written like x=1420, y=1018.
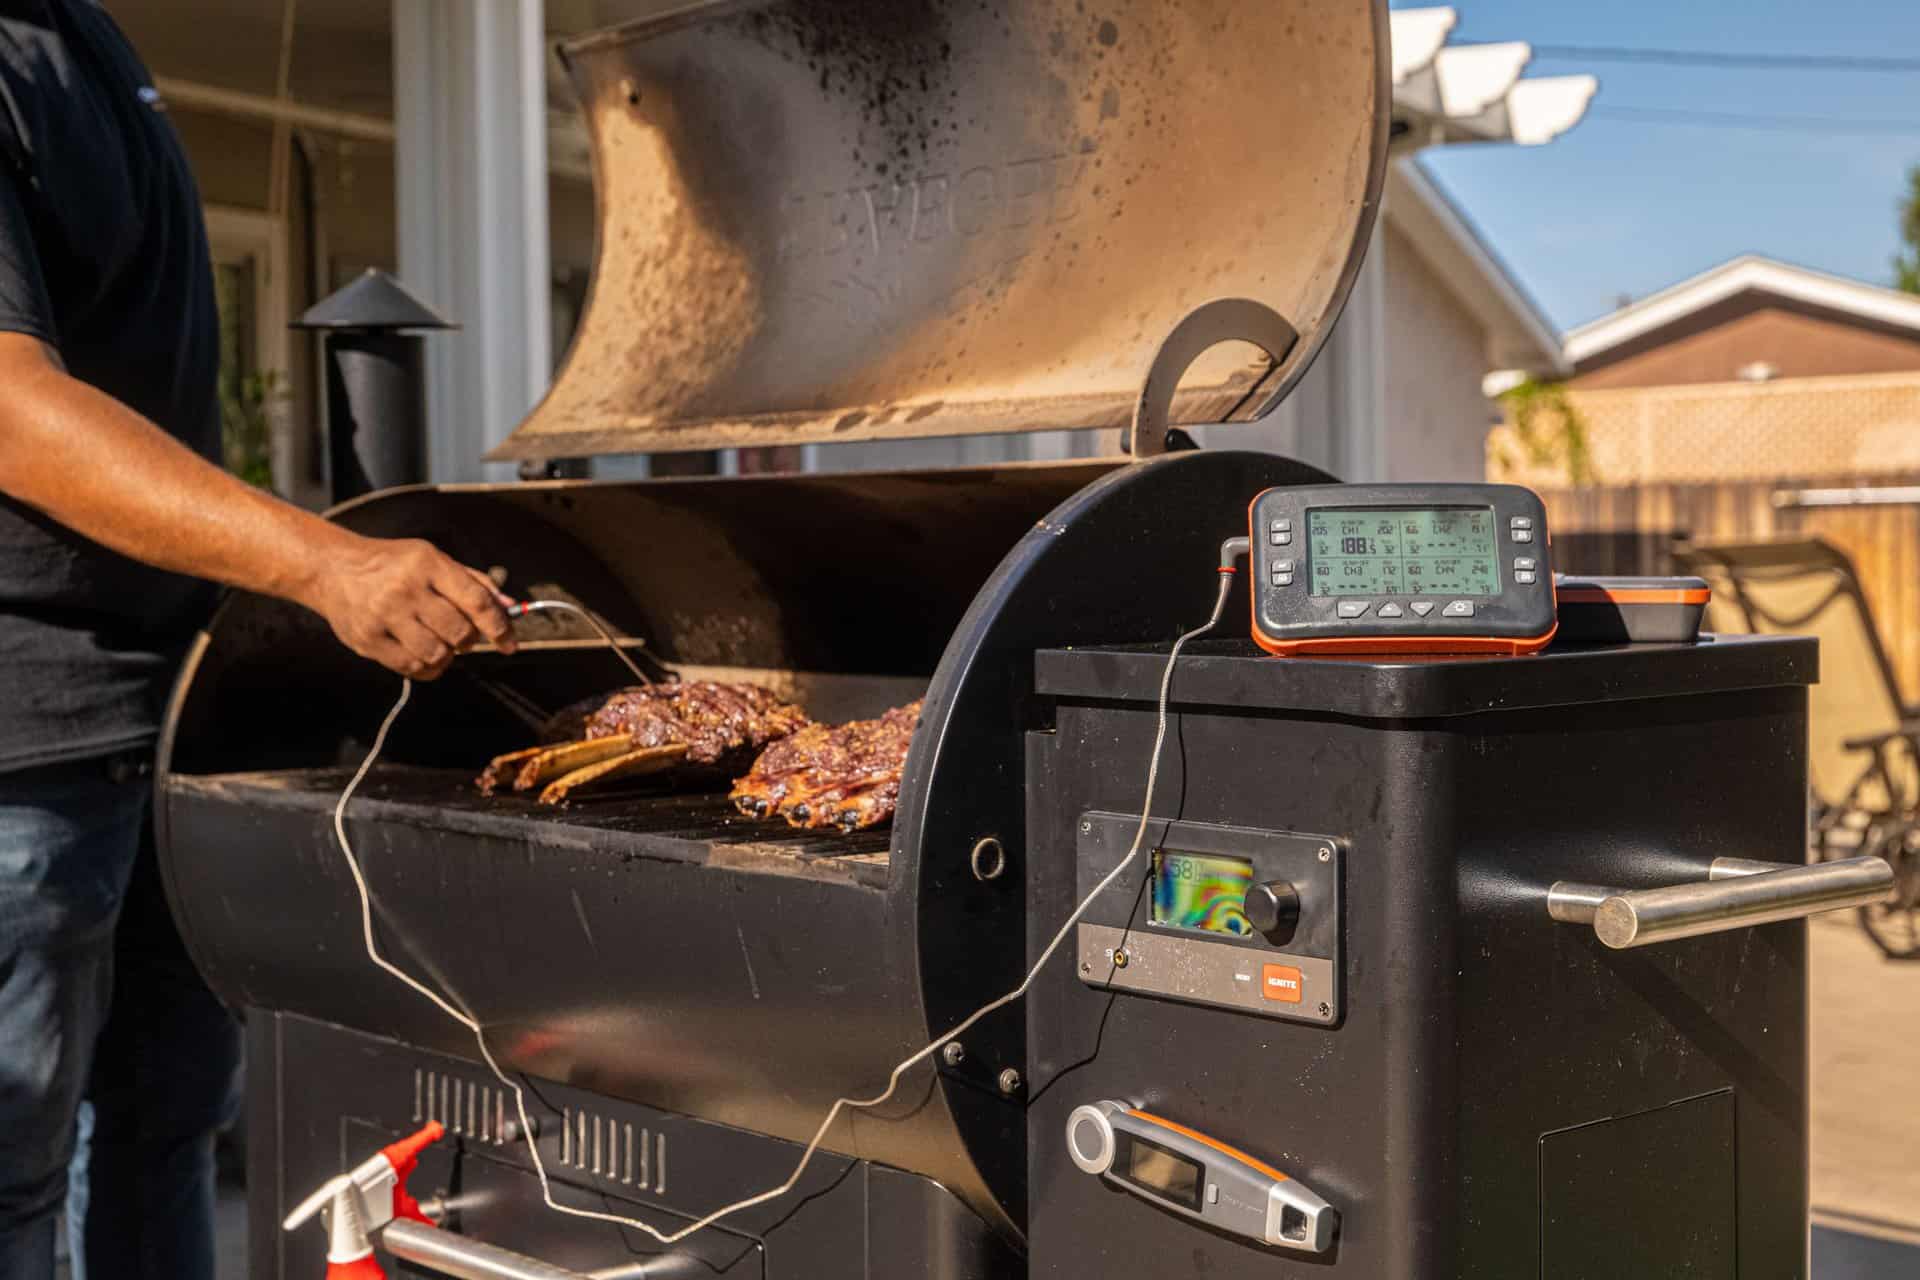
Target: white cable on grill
x=562, y=606
x=833, y=1113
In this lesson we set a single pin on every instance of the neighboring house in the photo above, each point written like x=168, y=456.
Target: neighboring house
x=1755, y=370
x=438, y=138
x=1751, y=319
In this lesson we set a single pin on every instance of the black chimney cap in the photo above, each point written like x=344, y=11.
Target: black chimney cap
x=375, y=301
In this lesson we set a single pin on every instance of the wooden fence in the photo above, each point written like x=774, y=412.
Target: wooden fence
x=1632, y=529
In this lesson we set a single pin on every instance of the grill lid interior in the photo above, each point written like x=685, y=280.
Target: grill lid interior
x=862, y=219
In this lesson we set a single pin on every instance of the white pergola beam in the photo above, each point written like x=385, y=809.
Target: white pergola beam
x=1538, y=111
x=1418, y=36
x=1476, y=76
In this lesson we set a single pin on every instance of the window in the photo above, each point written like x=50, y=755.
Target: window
x=250, y=289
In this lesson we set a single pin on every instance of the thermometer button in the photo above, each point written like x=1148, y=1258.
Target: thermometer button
x=1090, y=1137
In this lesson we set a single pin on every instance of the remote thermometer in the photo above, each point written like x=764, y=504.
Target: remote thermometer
x=1176, y=1168
x=1401, y=569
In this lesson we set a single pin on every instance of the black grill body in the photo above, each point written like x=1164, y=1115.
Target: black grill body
x=1501, y=1095
x=679, y=963
x=686, y=991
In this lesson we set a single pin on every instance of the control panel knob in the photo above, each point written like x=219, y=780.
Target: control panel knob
x=1274, y=909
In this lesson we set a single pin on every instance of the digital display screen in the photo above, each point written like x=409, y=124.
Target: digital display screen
x=1199, y=891
x=1384, y=551
x=1164, y=1173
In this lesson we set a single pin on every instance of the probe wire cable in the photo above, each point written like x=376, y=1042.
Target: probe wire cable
x=525, y=607
x=527, y=1130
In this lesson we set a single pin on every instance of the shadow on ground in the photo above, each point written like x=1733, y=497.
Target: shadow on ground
x=1842, y=1255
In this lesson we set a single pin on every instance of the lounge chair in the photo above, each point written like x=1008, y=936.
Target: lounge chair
x=1863, y=760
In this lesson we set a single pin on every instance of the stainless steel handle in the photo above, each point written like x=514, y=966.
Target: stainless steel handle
x=1738, y=892
x=455, y=1255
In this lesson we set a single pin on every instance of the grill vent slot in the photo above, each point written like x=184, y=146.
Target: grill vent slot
x=631, y=1155
x=467, y=1109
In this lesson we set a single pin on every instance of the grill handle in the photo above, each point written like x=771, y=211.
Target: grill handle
x=451, y=1254
x=1737, y=893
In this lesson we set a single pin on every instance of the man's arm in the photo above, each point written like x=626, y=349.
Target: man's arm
x=101, y=469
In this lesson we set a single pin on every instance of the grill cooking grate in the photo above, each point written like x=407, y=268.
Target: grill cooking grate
x=696, y=826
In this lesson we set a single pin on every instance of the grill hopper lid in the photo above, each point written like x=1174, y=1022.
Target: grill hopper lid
x=833, y=220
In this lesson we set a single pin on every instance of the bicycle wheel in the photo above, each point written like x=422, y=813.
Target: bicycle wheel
x=1894, y=925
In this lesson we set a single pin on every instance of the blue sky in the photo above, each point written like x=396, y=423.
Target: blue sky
x=1628, y=206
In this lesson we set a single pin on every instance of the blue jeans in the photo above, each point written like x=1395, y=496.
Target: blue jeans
x=98, y=999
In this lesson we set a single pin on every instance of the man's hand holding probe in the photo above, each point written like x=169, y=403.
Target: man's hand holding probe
x=97, y=467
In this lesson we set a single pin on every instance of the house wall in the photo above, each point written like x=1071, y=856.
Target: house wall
x=1437, y=353
x=352, y=184
x=1715, y=344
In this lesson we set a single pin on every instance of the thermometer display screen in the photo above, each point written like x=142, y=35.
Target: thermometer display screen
x=1165, y=1174
x=1385, y=551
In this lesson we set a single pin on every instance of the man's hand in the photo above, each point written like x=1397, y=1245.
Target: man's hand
x=405, y=605
x=99, y=468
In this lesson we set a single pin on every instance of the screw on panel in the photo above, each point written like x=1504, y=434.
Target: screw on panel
x=1119, y=959
x=1086, y=827
x=1325, y=1009
x=512, y=1131
x=1326, y=854
x=1010, y=1081
x=953, y=1053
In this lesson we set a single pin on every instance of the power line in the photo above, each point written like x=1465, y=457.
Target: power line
x=1709, y=58
x=1757, y=123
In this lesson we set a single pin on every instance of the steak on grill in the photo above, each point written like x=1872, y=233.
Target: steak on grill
x=845, y=776
x=647, y=729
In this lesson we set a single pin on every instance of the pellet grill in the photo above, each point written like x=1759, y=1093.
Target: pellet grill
x=828, y=222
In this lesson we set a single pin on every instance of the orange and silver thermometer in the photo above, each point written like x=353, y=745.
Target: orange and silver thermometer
x=1401, y=569
x=1174, y=1167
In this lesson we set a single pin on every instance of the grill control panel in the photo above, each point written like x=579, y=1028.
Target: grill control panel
x=1401, y=568
x=1234, y=917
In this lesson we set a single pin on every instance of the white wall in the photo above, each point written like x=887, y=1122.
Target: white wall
x=1437, y=353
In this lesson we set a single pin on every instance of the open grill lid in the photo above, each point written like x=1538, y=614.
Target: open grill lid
x=860, y=219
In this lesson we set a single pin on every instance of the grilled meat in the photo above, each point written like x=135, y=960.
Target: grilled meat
x=647, y=729
x=845, y=776
x=713, y=720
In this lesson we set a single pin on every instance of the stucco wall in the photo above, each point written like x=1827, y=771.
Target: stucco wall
x=1436, y=356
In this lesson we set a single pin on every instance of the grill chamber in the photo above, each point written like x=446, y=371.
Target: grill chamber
x=657, y=948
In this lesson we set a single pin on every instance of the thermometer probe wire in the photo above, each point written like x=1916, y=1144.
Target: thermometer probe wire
x=840, y=1105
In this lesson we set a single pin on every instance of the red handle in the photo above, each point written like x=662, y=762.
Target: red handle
x=404, y=1156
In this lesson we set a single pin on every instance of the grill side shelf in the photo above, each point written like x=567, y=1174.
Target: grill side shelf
x=699, y=828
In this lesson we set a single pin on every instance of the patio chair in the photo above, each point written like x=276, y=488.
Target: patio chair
x=1863, y=757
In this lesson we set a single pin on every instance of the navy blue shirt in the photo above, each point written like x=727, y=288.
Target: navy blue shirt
x=103, y=256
